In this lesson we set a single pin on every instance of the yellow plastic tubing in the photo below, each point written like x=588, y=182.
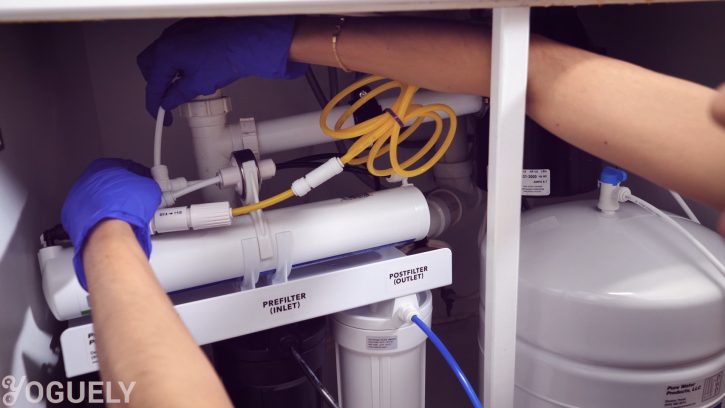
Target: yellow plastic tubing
x=381, y=134
x=263, y=204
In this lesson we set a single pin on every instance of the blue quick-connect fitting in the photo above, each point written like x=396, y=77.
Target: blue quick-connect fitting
x=612, y=175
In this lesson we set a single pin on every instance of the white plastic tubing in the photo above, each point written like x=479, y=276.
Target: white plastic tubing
x=626, y=195
x=686, y=208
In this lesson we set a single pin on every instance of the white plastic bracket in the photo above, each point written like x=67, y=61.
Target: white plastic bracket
x=264, y=246
x=329, y=288
x=250, y=252
x=397, y=178
x=249, y=137
x=285, y=244
x=251, y=196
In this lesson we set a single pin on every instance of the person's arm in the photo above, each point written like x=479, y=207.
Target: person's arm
x=139, y=336
x=718, y=106
x=654, y=125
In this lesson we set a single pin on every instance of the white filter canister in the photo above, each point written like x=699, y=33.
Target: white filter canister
x=381, y=359
x=316, y=231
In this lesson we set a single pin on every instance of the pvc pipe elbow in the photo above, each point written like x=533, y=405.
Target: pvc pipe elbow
x=446, y=209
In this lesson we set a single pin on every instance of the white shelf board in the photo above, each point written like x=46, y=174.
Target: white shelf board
x=313, y=291
x=74, y=10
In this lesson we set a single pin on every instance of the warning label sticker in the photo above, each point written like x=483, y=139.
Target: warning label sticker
x=382, y=342
x=536, y=182
x=92, y=354
x=693, y=393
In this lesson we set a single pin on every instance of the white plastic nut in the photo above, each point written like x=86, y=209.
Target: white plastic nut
x=167, y=199
x=326, y=171
x=267, y=169
x=623, y=194
x=196, y=217
x=210, y=215
x=230, y=176
x=300, y=187
x=210, y=105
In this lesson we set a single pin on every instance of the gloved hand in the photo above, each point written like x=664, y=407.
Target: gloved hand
x=110, y=188
x=210, y=53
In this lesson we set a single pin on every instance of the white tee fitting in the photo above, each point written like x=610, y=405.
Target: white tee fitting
x=213, y=143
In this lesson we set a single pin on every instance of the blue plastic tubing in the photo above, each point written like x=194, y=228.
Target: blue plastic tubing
x=450, y=360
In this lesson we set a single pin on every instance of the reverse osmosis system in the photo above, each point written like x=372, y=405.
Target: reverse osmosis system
x=621, y=305
x=291, y=264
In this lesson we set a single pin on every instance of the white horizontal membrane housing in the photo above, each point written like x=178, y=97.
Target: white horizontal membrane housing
x=617, y=310
x=319, y=230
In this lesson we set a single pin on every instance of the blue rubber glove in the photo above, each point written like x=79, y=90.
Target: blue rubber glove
x=110, y=189
x=198, y=56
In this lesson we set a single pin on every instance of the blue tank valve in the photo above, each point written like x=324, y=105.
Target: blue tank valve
x=612, y=175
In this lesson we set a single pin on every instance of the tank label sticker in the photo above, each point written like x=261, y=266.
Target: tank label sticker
x=693, y=393
x=284, y=303
x=408, y=275
x=382, y=342
x=536, y=182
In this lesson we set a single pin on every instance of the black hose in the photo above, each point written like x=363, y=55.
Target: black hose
x=314, y=157
x=312, y=165
x=315, y=88
x=310, y=374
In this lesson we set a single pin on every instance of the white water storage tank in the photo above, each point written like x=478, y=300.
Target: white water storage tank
x=617, y=311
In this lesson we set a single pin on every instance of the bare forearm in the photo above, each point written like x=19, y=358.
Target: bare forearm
x=429, y=53
x=138, y=333
x=651, y=124
x=657, y=126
